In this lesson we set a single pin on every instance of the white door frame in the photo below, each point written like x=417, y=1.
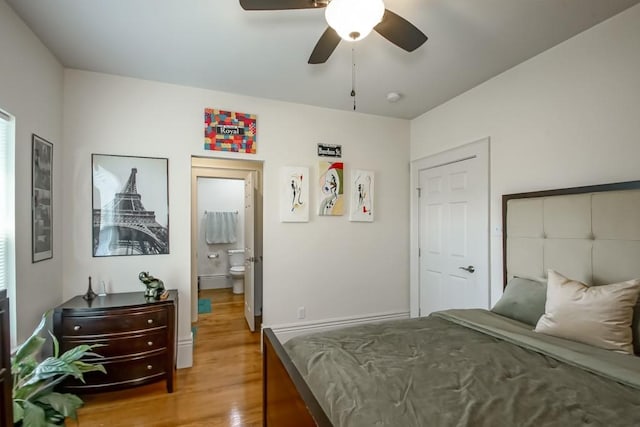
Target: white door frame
x=478, y=149
x=250, y=252
x=211, y=167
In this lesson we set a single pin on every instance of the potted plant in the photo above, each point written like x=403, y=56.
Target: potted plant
x=35, y=403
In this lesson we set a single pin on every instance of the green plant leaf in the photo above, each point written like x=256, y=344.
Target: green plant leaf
x=33, y=415
x=51, y=368
x=56, y=344
x=64, y=404
x=30, y=347
x=24, y=391
x=89, y=367
x=18, y=412
x=76, y=353
x=24, y=360
x=92, y=355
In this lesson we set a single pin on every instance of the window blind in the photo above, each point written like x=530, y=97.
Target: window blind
x=6, y=197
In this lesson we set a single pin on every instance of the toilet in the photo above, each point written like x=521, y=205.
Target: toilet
x=236, y=261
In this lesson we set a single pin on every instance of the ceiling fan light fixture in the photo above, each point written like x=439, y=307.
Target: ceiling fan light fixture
x=353, y=20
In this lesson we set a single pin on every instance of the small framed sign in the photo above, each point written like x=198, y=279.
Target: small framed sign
x=329, y=150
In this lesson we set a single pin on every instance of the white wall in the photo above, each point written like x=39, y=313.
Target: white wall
x=31, y=87
x=568, y=117
x=333, y=267
x=218, y=195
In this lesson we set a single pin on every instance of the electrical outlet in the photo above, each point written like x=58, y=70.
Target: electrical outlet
x=301, y=312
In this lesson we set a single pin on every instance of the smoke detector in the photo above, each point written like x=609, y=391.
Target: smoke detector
x=393, y=97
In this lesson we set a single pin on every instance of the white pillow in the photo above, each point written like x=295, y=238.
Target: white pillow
x=596, y=315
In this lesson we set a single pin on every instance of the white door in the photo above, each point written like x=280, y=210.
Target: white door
x=453, y=237
x=249, y=254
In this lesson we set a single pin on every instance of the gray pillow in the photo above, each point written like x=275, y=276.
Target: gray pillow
x=523, y=300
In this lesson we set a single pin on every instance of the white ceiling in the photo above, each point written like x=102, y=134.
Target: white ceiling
x=214, y=44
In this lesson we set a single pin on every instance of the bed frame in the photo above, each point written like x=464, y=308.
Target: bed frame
x=577, y=231
x=287, y=399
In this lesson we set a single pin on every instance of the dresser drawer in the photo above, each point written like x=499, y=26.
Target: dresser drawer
x=134, y=371
x=110, y=324
x=123, y=345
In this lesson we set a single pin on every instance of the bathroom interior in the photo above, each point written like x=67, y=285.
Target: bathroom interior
x=220, y=248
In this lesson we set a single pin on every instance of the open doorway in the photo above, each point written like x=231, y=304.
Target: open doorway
x=226, y=235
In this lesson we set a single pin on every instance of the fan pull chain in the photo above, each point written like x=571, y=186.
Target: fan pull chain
x=353, y=77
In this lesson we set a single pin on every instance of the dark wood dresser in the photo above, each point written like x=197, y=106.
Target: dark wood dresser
x=139, y=338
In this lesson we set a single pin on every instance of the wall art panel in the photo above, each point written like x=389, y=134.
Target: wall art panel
x=331, y=185
x=294, y=194
x=362, y=189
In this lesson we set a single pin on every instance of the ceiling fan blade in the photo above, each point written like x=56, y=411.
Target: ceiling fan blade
x=324, y=48
x=400, y=32
x=280, y=4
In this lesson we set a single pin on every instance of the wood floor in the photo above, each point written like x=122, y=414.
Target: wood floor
x=223, y=388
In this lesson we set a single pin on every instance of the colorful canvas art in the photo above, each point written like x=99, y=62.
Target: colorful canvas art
x=294, y=194
x=361, y=206
x=229, y=131
x=331, y=188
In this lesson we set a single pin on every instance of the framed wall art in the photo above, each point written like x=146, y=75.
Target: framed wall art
x=41, y=199
x=331, y=186
x=361, y=203
x=130, y=205
x=229, y=131
x=294, y=194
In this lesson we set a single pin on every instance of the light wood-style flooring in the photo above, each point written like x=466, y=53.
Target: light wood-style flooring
x=223, y=388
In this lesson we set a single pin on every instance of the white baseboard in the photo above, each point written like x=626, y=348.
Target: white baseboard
x=185, y=353
x=216, y=286
x=285, y=332
x=219, y=281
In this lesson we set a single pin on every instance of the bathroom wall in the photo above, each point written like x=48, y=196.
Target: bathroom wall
x=218, y=195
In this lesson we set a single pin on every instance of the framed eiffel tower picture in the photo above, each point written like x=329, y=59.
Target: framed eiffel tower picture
x=130, y=205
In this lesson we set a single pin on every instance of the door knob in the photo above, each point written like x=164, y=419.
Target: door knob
x=470, y=269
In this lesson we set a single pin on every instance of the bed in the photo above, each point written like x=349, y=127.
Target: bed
x=542, y=356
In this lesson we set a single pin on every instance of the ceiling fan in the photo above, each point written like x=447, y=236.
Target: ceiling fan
x=351, y=20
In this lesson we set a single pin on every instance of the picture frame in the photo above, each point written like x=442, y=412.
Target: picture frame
x=230, y=131
x=130, y=205
x=41, y=199
x=330, y=188
x=361, y=206
x=294, y=194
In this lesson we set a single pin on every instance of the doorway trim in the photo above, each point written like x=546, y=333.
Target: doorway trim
x=478, y=149
x=209, y=167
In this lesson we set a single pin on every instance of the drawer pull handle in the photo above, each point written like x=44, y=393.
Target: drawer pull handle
x=149, y=367
x=149, y=343
x=149, y=321
x=76, y=328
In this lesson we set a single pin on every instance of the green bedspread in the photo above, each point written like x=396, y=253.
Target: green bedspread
x=465, y=368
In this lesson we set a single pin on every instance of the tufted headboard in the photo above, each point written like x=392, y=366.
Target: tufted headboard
x=591, y=234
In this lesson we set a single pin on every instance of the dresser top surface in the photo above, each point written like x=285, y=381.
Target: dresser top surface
x=116, y=300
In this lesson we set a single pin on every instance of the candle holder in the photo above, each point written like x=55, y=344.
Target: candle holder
x=90, y=295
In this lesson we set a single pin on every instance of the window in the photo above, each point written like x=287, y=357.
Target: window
x=7, y=220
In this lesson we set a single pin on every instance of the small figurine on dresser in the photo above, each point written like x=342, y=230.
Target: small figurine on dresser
x=90, y=295
x=154, y=287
